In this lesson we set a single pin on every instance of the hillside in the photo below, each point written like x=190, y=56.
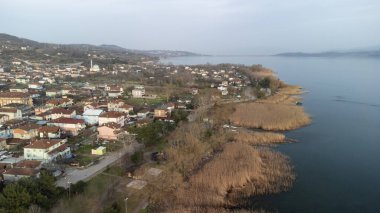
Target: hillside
x=354, y=53
x=12, y=47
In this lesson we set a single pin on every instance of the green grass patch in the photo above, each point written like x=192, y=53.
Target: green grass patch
x=143, y=101
x=115, y=170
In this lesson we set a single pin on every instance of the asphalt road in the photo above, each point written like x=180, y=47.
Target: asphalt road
x=74, y=175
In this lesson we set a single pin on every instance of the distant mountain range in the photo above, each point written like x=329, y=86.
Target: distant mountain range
x=16, y=42
x=368, y=52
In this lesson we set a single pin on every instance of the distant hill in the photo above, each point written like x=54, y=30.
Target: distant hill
x=10, y=39
x=14, y=42
x=375, y=53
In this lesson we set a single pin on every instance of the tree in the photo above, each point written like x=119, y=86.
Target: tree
x=179, y=115
x=79, y=187
x=265, y=82
x=48, y=193
x=14, y=198
x=114, y=208
x=137, y=157
x=152, y=133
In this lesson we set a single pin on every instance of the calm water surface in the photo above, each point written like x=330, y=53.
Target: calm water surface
x=337, y=161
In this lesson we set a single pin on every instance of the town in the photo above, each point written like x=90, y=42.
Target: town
x=76, y=120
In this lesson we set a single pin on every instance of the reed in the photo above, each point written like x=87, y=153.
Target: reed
x=258, y=138
x=238, y=172
x=269, y=116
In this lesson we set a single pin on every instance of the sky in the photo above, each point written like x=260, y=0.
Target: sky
x=202, y=26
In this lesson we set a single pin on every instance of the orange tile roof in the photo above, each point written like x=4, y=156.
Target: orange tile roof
x=67, y=121
x=28, y=164
x=111, y=114
x=42, y=144
x=112, y=125
x=8, y=110
x=14, y=95
x=48, y=129
x=20, y=171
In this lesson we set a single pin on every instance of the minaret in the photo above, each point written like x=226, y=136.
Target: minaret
x=91, y=64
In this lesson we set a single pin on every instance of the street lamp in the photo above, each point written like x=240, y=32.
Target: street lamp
x=125, y=201
x=69, y=186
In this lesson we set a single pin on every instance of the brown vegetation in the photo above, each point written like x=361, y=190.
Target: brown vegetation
x=239, y=171
x=269, y=116
x=206, y=172
x=258, y=138
x=286, y=95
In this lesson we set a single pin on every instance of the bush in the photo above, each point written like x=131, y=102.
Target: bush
x=137, y=157
x=79, y=187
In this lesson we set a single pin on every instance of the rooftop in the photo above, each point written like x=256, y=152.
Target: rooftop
x=111, y=114
x=67, y=121
x=20, y=171
x=14, y=95
x=42, y=144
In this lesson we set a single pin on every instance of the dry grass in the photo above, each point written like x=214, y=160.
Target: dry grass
x=258, y=138
x=269, y=116
x=240, y=171
x=205, y=173
x=286, y=95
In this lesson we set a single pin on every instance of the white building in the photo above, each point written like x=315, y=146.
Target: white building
x=112, y=116
x=91, y=116
x=12, y=113
x=138, y=91
x=47, y=150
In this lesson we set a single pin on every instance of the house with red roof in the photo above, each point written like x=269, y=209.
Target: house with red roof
x=110, y=131
x=70, y=126
x=112, y=116
x=47, y=150
x=27, y=131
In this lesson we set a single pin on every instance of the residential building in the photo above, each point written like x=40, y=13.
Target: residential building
x=109, y=131
x=143, y=113
x=27, y=131
x=3, y=119
x=112, y=116
x=91, y=116
x=26, y=110
x=70, y=126
x=60, y=102
x=161, y=113
x=101, y=150
x=47, y=150
x=138, y=91
x=12, y=113
x=53, y=93
x=15, y=174
x=36, y=86
x=119, y=106
x=60, y=112
x=15, y=97
x=49, y=132
x=113, y=105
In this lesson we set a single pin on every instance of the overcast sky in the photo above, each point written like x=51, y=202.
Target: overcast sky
x=203, y=26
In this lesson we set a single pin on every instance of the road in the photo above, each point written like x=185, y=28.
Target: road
x=75, y=175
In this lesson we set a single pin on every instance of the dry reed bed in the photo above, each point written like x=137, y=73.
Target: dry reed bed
x=239, y=171
x=269, y=116
x=287, y=94
x=258, y=138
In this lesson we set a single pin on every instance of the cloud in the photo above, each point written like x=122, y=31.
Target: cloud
x=212, y=26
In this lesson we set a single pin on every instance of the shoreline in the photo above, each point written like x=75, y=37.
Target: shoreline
x=276, y=173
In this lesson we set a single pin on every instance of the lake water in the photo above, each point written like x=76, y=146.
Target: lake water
x=337, y=161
